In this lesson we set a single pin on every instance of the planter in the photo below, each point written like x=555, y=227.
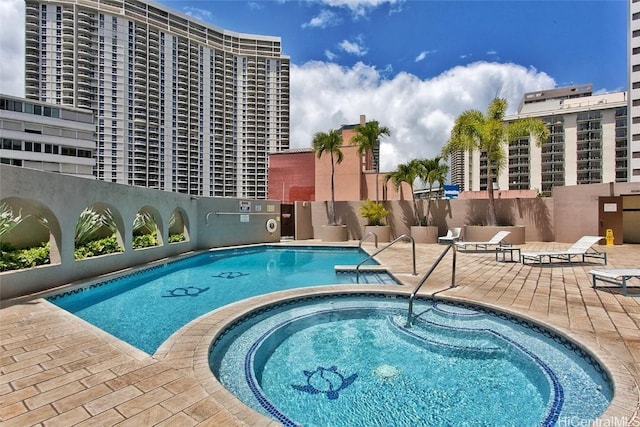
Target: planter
x=483, y=233
x=424, y=233
x=334, y=233
x=382, y=231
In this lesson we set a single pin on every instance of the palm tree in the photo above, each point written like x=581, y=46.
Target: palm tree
x=430, y=172
x=406, y=172
x=367, y=139
x=329, y=142
x=474, y=131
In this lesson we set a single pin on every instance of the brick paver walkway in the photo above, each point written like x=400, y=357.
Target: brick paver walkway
x=57, y=370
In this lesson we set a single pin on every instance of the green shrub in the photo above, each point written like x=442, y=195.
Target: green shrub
x=374, y=213
x=105, y=246
x=144, y=241
x=6, y=247
x=178, y=237
x=17, y=259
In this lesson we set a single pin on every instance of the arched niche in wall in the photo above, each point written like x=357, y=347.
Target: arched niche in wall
x=98, y=231
x=29, y=224
x=146, y=228
x=178, y=226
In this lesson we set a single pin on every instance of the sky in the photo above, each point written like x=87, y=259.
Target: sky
x=413, y=66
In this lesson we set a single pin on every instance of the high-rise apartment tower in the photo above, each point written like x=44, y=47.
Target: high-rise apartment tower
x=588, y=143
x=634, y=90
x=180, y=105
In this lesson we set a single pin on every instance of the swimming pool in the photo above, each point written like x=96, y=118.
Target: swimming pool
x=350, y=360
x=144, y=308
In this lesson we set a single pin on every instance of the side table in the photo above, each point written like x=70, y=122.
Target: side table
x=502, y=251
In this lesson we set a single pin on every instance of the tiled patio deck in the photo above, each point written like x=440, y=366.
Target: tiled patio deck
x=58, y=370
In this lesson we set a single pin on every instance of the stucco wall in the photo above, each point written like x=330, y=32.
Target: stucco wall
x=571, y=213
x=210, y=222
x=576, y=209
x=535, y=214
x=346, y=176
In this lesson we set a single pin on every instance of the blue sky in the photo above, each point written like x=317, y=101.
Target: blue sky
x=573, y=41
x=412, y=65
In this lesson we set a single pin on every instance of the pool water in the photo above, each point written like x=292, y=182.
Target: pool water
x=145, y=308
x=345, y=360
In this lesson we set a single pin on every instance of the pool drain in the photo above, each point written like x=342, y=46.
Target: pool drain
x=386, y=372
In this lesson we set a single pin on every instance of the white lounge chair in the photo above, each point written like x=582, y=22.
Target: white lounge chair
x=616, y=276
x=494, y=241
x=453, y=235
x=582, y=248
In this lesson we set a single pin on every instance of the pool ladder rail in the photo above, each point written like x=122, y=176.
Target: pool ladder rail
x=426, y=276
x=397, y=239
x=412, y=297
x=370, y=233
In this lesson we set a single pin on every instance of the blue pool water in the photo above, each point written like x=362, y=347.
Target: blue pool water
x=146, y=307
x=351, y=361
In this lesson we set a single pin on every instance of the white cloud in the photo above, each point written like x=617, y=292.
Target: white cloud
x=419, y=113
x=12, y=47
x=253, y=5
x=422, y=55
x=360, y=8
x=325, y=19
x=330, y=55
x=201, y=14
x=353, y=47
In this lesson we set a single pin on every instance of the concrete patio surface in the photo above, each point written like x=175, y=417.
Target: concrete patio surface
x=58, y=370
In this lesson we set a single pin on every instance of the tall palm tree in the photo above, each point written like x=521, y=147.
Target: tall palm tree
x=406, y=172
x=430, y=172
x=474, y=131
x=367, y=139
x=329, y=142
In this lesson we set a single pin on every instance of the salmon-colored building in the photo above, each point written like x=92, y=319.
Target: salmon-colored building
x=292, y=175
x=299, y=175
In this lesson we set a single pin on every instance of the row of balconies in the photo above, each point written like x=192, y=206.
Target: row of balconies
x=589, y=135
x=595, y=156
x=588, y=148
x=546, y=170
x=594, y=168
x=553, y=150
x=82, y=13
x=518, y=152
x=589, y=179
x=553, y=161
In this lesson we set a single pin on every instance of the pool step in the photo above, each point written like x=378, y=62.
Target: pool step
x=371, y=274
x=451, y=340
x=363, y=268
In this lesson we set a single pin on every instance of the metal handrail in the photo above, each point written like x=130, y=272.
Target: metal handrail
x=413, y=247
x=426, y=276
x=370, y=233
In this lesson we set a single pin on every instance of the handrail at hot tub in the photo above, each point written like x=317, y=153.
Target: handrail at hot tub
x=426, y=276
